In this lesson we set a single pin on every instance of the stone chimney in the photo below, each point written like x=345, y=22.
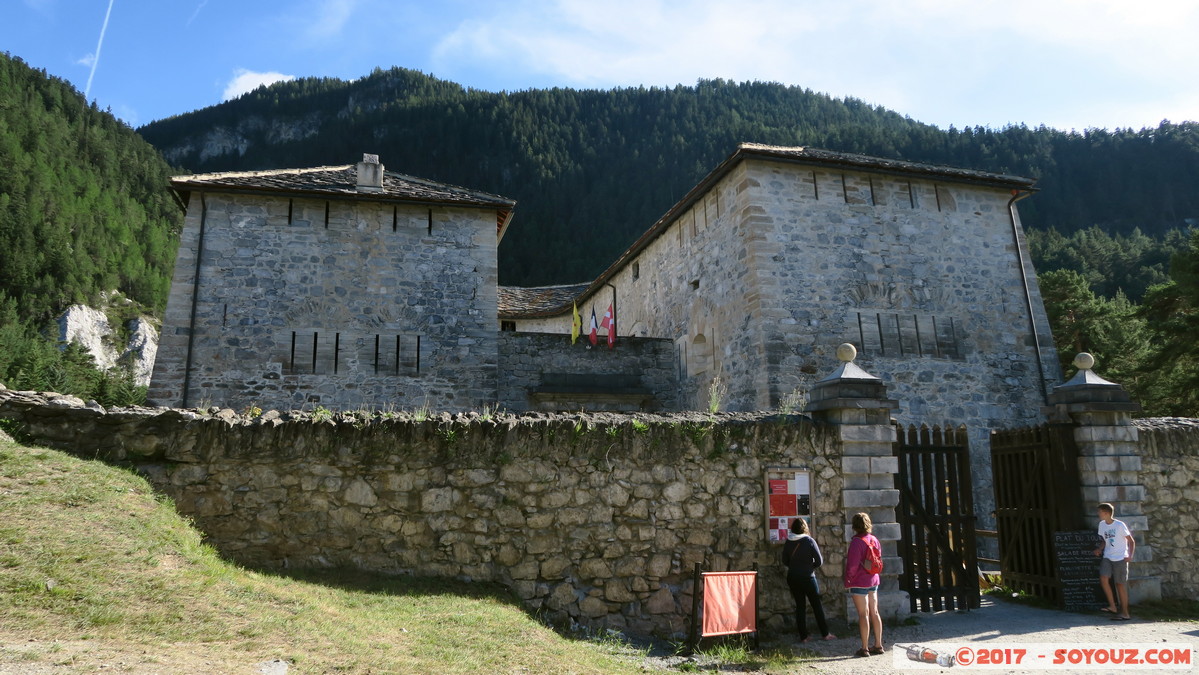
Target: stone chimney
x=370, y=174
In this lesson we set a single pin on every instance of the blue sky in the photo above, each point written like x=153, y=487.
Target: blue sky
x=1069, y=64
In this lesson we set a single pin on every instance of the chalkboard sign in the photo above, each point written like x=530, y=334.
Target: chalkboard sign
x=1078, y=569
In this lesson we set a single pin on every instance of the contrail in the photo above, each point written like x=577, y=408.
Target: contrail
x=96, y=61
x=195, y=14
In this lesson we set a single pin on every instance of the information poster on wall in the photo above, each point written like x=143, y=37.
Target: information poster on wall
x=788, y=496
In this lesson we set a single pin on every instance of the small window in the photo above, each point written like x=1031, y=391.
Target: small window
x=508, y=326
x=695, y=284
x=636, y=271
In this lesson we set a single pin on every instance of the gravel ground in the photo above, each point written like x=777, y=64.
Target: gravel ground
x=999, y=624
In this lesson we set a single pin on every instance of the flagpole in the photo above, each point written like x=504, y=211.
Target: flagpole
x=614, y=312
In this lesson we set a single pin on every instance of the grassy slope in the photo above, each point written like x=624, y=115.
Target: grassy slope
x=96, y=569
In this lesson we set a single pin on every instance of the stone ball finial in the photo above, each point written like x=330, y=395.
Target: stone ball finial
x=846, y=352
x=1084, y=361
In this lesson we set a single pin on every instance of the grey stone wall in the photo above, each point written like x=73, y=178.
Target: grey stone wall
x=525, y=359
x=595, y=519
x=1169, y=474
x=301, y=303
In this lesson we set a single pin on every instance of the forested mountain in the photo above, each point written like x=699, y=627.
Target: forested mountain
x=84, y=204
x=83, y=200
x=591, y=170
x=83, y=210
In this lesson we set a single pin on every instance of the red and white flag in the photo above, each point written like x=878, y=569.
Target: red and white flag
x=594, y=334
x=609, y=323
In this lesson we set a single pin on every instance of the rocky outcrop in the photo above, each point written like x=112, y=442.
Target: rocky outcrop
x=141, y=349
x=237, y=139
x=91, y=329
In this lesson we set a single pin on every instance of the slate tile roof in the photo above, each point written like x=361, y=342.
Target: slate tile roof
x=516, y=302
x=339, y=182
x=850, y=160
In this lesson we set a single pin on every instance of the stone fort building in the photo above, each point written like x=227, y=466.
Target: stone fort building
x=781, y=254
x=341, y=286
x=350, y=286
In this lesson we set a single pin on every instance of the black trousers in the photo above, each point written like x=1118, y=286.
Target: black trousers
x=805, y=589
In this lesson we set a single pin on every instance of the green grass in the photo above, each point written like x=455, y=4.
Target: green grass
x=735, y=654
x=1167, y=609
x=1020, y=597
x=95, y=569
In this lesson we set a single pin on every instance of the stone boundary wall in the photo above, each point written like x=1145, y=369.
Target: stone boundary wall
x=524, y=357
x=1169, y=449
x=593, y=520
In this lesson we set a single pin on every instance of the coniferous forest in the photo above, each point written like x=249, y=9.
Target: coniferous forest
x=83, y=210
x=84, y=205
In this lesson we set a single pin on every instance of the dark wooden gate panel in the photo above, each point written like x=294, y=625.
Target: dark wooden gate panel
x=936, y=519
x=1035, y=472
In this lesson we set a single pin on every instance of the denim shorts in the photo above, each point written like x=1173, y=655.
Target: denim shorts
x=863, y=591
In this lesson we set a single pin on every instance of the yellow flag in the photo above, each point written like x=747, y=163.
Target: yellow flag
x=576, y=325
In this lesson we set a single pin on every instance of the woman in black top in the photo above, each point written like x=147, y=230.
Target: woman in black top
x=801, y=555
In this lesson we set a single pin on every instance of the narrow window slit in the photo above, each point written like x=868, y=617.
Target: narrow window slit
x=882, y=344
x=861, y=333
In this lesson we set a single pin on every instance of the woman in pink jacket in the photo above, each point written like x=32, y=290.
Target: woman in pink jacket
x=863, y=585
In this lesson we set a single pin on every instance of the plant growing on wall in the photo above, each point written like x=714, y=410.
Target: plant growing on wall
x=717, y=391
x=794, y=401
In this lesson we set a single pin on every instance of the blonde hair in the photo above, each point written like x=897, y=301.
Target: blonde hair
x=862, y=524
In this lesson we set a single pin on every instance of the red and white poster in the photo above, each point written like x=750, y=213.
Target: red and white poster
x=788, y=496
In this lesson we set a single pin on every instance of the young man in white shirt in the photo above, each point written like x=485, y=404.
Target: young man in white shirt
x=1117, y=548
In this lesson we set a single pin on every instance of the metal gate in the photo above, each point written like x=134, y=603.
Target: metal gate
x=936, y=519
x=1035, y=472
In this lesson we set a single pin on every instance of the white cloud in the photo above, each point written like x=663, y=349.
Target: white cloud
x=1069, y=62
x=245, y=81
x=86, y=61
x=329, y=18
x=637, y=41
